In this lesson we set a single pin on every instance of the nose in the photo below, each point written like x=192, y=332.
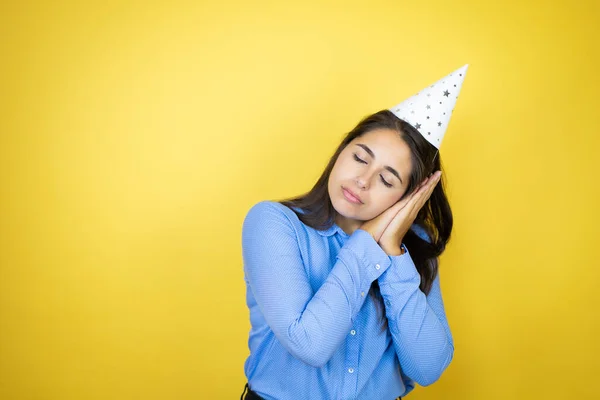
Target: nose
x=362, y=181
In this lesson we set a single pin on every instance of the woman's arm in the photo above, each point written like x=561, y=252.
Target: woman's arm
x=310, y=325
x=417, y=323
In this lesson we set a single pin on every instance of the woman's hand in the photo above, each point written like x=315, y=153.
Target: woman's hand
x=391, y=238
x=377, y=225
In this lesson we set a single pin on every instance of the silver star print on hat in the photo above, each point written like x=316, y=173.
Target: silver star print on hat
x=429, y=110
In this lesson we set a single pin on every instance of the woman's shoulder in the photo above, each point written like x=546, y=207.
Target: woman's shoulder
x=270, y=205
x=421, y=232
x=269, y=210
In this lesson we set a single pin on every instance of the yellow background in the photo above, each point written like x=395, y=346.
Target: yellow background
x=136, y=135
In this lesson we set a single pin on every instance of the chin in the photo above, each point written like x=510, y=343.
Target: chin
x=345, y=209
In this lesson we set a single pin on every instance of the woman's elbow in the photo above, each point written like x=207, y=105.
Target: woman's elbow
x=314, y=357
x=315, y=360
x=306, y=349
x=432, y=372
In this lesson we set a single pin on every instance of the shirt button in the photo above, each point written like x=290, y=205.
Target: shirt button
x=362, y=294
x=377, y=266
x=387, y=303
x=351, y=370
x=353, y=332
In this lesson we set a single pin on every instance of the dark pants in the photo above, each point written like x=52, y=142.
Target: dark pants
x=250, y=395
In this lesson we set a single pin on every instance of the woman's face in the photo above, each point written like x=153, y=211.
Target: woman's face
x=375, y=167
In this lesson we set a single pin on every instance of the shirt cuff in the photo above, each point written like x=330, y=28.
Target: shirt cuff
x=402, y=269
x=372, y=260
x=397, y=284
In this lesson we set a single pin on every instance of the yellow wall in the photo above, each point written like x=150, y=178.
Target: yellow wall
x=135, y=136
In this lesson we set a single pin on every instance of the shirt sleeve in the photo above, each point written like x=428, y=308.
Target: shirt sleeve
x=310, y=325
x=417, y=322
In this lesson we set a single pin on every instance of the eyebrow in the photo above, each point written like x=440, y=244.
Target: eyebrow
x=392, y=170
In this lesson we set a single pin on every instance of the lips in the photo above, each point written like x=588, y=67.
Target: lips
x=351, y=196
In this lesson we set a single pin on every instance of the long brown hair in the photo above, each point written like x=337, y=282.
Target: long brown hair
x=434, y=218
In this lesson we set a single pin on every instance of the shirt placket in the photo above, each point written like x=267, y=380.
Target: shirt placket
x=351, y=363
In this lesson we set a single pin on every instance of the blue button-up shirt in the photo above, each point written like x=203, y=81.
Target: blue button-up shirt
x=315, y=331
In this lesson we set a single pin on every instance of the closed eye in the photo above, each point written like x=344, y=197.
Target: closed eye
x=364, y=162
x=359, y=160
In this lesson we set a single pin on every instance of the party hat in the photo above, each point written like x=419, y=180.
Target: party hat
x=429, y=110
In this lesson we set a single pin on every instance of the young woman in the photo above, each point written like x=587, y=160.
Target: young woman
x=342, y=282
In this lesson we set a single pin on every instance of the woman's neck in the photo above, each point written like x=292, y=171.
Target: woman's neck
x=348, y=225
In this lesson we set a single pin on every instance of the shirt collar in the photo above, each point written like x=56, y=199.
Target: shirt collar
x=329, y=231
x=334, y=228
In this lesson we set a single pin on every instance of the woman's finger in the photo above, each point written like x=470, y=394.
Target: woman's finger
x=404, y=202
x=409, y=203
x=430, y=187
x=423, y=193
x=424, y=182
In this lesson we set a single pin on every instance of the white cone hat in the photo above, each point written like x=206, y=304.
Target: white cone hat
x=429, y=110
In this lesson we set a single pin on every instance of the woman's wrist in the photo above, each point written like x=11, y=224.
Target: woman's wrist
x=394, y=250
